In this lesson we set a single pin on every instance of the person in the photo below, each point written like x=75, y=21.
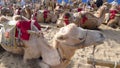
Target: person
x=66, y=18
x=45, y=14
x=99, y=3
x=89, y=2
x=18, y=11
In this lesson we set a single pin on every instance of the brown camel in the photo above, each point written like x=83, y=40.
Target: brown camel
x=90, y=21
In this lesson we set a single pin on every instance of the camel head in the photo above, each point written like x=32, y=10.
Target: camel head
x=101, y=11
x=71, y=35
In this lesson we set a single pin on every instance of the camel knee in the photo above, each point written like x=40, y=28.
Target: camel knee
x=31, y=55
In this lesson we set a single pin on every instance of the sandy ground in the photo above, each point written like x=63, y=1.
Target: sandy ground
x=110, y=50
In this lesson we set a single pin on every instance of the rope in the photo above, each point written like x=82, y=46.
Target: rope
x=93, y=56
x=115, y=66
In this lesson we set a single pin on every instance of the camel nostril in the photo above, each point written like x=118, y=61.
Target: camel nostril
x=101, y=35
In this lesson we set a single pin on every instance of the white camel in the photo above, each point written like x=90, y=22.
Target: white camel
x=65, y=43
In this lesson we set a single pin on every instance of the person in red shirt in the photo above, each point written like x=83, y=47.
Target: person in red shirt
x=66, y=18
x=45, y=15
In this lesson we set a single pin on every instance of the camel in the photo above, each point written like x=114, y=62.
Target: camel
x=27, y=12
x=112, y=19
x=90, y=21
x=86, y=19
x=52, y=5
x=64, y=19
x=65, y=43
x=51, y=17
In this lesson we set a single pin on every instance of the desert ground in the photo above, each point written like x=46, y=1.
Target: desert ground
x=109, y=50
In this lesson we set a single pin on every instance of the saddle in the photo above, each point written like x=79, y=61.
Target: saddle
x=8, y=37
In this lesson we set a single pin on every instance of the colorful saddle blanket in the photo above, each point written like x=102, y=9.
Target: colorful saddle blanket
x=8, y=35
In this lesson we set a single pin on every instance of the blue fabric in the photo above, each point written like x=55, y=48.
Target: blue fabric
x=59, y=1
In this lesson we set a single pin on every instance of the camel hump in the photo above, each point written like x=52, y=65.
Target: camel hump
x=89, y=15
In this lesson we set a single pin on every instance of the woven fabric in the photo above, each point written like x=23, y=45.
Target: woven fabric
x=10, y=39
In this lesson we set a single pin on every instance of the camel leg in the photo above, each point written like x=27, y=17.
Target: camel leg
x=107, y=15
x=112, y=24
x=32, y=50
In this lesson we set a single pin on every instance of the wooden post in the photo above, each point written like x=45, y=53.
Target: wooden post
x=103, y=63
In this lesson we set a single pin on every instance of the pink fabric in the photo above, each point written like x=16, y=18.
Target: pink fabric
x=66, y=20
x=23, y=26
x=112, y=13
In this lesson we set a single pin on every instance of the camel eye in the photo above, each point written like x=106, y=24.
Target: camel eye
x=60, y=38
x=81, y=38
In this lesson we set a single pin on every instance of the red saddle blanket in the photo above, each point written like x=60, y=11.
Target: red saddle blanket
x=24, y=26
